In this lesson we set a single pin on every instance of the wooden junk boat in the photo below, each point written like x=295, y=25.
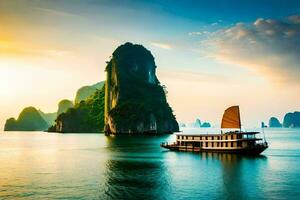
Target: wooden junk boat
x=237, y=141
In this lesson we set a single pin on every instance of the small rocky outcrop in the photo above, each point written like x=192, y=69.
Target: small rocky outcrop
x=292, y=120
x=28, y=120
x=197, y=123
x=205, y=125
x=182, y=124
x=135, y=101
x=263, y=125
x=274, y=123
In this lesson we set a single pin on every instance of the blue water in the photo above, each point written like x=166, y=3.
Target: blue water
x=37, y=165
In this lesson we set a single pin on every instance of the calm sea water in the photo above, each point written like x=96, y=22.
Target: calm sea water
x=37, y=165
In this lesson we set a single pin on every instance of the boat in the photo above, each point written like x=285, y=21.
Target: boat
x=233, y=141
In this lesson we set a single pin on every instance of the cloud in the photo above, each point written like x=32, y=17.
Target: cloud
x=161, y=45
x=267, y=46
x=199, y=33
x=55, y=12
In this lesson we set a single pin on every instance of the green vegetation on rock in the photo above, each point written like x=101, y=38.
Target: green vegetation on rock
x=29, y=120
x=85, y=117
x=86, y=91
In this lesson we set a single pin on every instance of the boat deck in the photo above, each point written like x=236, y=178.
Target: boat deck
x=251, y=150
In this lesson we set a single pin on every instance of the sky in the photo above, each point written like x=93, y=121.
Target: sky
x=210, y=54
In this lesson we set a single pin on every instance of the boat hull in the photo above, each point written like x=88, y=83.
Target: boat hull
x=246, y=151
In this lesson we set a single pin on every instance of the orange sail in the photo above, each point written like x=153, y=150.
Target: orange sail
x=231, y=118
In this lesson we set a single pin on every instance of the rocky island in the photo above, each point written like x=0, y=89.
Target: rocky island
x=274, y=123
x=292, y=120
x=135, y=101
x=29, y=119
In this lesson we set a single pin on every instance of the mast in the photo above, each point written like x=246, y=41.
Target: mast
x=240, y=119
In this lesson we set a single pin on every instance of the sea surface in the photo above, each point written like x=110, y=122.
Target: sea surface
x=38, y=165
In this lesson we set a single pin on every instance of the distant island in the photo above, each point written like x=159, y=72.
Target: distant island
x=274, y=123
x=32, y=119
x=29, y=119
x=199, y=124
x=290, y=120
x=196, y=124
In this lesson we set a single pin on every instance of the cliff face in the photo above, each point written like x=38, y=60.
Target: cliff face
x=292, y=120
x=274, y=123
x=28, y=120
x=135, y=102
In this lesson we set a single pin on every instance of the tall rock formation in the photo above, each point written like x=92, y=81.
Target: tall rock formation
x=274, y=123
x=135, y=102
